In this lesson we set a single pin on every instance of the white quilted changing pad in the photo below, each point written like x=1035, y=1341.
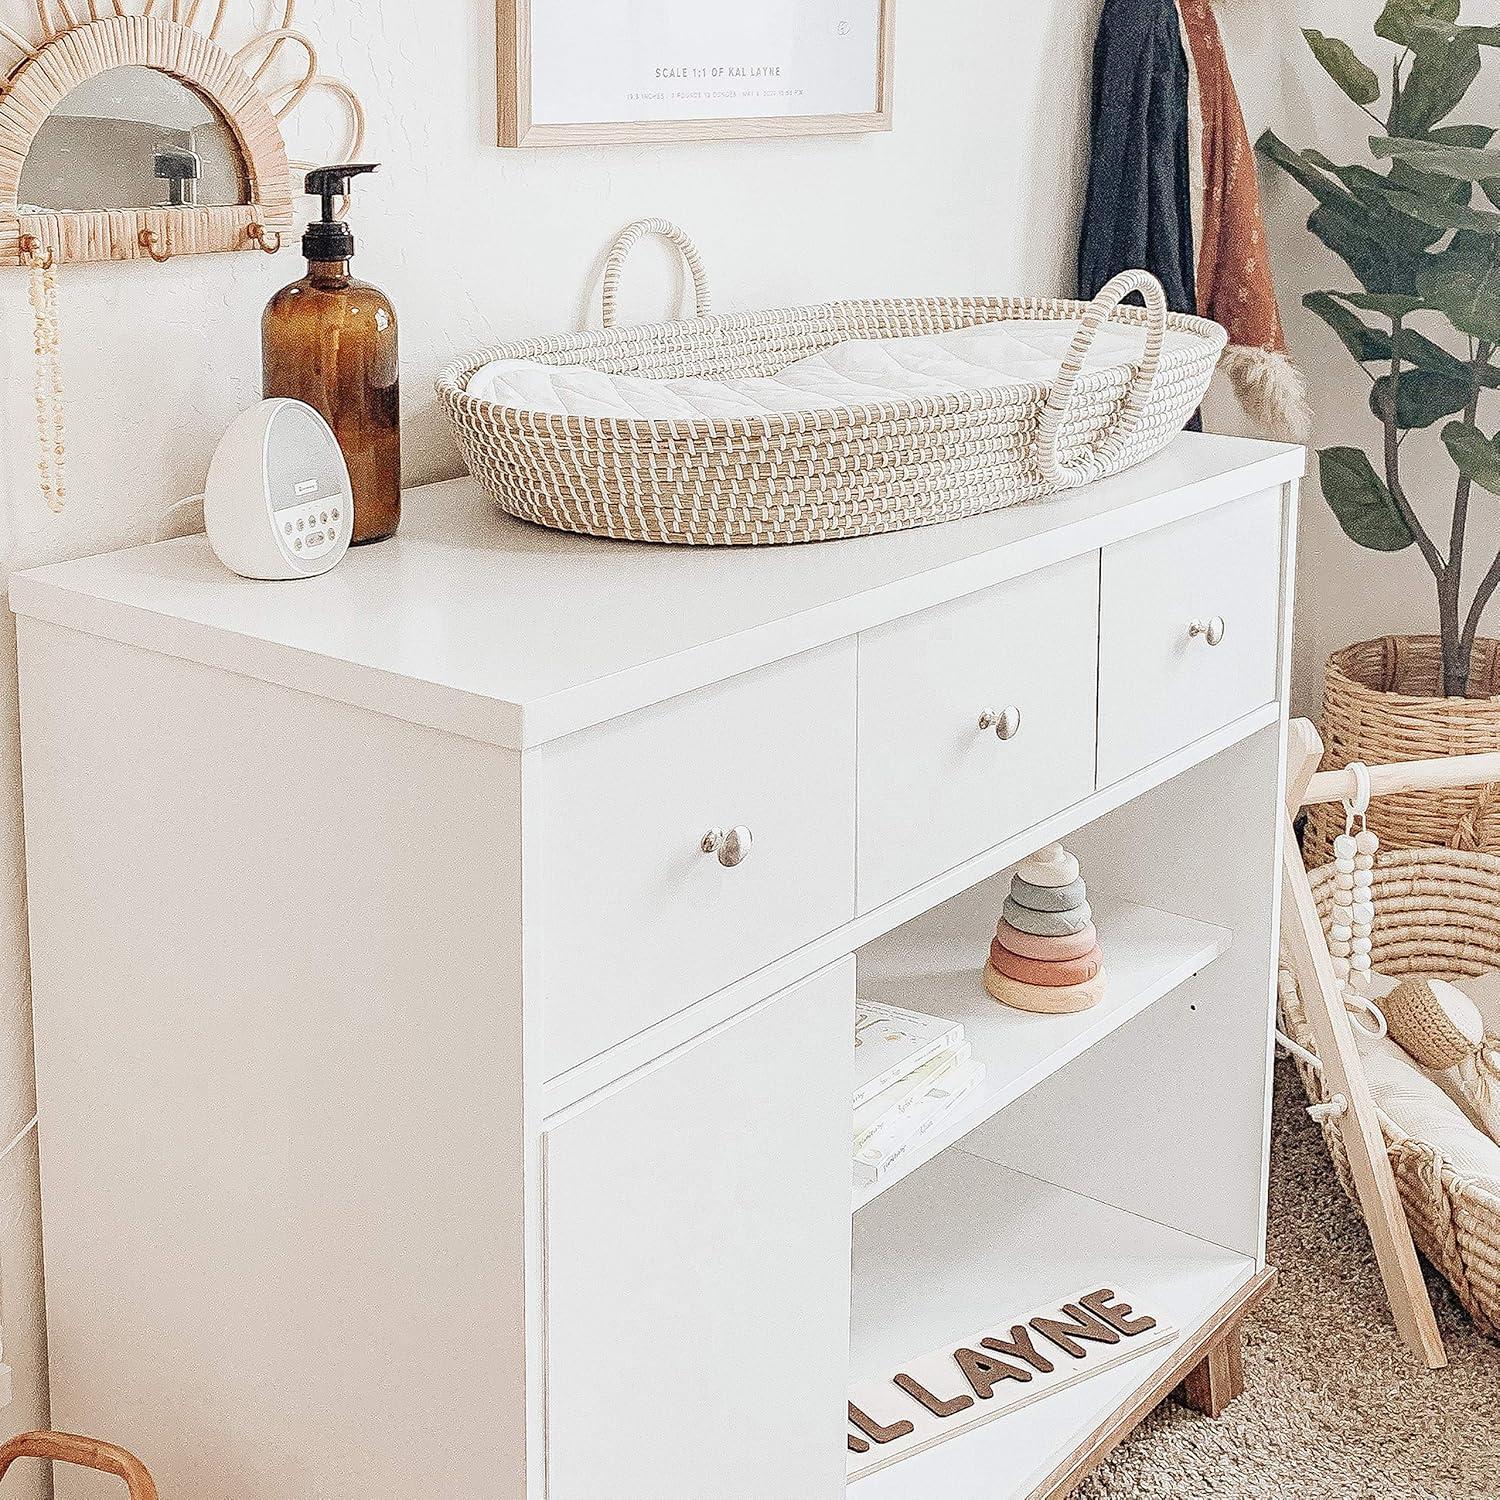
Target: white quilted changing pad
x=862, y=372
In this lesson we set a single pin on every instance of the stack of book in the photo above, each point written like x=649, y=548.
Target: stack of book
x=913, y=1074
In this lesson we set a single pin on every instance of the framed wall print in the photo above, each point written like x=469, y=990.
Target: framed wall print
x=586, y=72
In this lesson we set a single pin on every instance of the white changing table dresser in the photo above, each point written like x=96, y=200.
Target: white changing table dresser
x=444, y=974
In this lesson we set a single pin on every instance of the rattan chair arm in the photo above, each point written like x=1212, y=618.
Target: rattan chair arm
x=86, y=1453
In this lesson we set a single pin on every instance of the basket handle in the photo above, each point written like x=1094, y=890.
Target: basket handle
x=628, y=239
x=87, y=1453
x=1092, y=465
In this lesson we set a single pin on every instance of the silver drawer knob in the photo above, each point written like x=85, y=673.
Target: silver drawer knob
x=733, y=847
x=1212, y=630
x=1006, y=723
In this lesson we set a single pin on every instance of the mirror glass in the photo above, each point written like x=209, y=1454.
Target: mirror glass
x=133, y=138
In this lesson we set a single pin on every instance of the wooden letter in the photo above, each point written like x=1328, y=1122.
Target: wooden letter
x=1116, y=1314
x=1020, y=1346
x=858, y=1444
x=873, y=1430
x=985, y=1374
x=1084, y=1325
x=935, y=1404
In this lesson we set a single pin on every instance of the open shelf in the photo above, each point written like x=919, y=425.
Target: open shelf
x=968, y=1242
x=935, y=964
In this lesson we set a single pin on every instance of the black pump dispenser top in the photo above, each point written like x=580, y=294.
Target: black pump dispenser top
x=329, y=239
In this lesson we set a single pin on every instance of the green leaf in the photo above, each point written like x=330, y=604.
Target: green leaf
x=1373, y=192
x=1431, y=186
x=1293, y=163
x=1442, y=212
x=1368, y=345
x=1408, y=22
x=1442, y=72
x=1430, y=27
x=1361, y=501
x=1422, y=397
x=1477, y=457
x=1463, y=283
x=1398, y=20
x=1389, y=306
x=1339, y=62
x=1382, y=263
x=1374, y=346
x=1425, y=355
x=1465, y=163
x=1463, y=135
x=1380, y=246
x=1390, y=220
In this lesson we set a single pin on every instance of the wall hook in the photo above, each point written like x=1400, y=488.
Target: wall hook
x=148, y=242
x=270, y=243
x=30, y=247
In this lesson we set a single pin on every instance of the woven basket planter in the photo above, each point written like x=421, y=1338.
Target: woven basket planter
x=1382, y=702
x=1437, y=914
x=819, y=474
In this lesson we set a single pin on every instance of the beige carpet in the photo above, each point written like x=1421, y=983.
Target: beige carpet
x=1334, y=1408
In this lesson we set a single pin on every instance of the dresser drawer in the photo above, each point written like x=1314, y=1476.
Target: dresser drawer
x=638, y=920
x=934, y=787
x=1189, y=636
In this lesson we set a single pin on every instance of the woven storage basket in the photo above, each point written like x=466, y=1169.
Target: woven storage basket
x=1437, y=913
x=815, y=475
x=1382, y=702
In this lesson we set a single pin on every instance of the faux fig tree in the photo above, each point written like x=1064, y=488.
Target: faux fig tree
x=1419, y=232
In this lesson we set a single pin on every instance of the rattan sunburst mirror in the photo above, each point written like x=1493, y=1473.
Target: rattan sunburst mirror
x=151, y=128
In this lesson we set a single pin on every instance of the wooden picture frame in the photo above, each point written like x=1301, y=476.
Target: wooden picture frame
x=520, y=127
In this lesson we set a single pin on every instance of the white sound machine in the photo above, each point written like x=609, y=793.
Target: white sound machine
x=278, y=502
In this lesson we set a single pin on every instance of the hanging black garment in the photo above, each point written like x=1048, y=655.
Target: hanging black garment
x=1138, y=212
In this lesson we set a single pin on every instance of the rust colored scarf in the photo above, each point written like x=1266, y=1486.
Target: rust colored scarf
x=1234, y=283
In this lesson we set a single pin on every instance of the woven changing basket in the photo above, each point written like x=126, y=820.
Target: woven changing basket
x=815, y=475
x=1382, y=702
x=1437, y=913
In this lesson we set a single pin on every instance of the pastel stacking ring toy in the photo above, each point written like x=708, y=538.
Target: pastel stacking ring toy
x=1048, y=897
x=1047, y=923
x=1052, y=866
x=1049, y=974
x=1055, y=1000
x=1048, y=949
x=1045, y=955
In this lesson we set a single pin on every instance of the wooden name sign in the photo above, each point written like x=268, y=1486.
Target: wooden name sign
x=997, y=1371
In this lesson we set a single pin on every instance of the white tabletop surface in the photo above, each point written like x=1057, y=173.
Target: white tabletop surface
x=476, y=623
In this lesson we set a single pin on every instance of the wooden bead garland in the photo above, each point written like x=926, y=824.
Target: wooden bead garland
x=1353, y=901
x=48, y=388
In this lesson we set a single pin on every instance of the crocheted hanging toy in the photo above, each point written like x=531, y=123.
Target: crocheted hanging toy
x=1439, y=1026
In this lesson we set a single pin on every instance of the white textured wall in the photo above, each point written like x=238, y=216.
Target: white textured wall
x=976, y=190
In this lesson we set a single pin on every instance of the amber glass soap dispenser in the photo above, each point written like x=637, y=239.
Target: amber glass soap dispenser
x=331, y=341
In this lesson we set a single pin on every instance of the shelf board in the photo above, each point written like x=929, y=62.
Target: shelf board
x=935, y=964
x=968, y=1242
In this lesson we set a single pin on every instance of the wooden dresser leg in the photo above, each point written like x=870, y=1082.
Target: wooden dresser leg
x=1219, y=1379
